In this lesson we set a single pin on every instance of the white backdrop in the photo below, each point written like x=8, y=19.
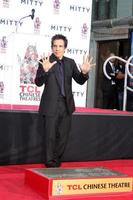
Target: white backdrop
x=23, y=40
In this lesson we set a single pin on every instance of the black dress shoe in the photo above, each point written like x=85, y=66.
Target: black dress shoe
x=51, y=164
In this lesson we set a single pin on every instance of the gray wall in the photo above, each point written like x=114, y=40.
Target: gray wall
x=124, y=8
x=92, y=74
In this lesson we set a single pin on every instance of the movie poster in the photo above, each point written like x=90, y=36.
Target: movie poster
x=26, y=30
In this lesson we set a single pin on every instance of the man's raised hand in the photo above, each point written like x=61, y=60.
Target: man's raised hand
x=87, y=64
x=45, y=62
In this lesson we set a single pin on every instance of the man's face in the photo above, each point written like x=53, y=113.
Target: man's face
x=113, y=59
x=58, y=48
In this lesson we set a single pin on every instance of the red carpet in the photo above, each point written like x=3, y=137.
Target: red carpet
x=78, y=109
x=102, y=111
x=12, y=180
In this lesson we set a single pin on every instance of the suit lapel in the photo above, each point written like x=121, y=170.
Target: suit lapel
x=65, y=66
x=56, y=71
x=55, y=67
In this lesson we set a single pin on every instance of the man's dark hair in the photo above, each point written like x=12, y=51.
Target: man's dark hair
x=59, y=37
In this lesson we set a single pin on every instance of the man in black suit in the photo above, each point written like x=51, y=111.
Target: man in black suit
x=57, y=104
x=109, y=86
x=120, y=78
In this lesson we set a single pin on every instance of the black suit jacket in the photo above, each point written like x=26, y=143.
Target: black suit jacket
x=51, y=92
x=107, y=83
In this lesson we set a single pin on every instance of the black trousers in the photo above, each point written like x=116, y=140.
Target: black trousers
x=110, y=98
x=57, y=130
